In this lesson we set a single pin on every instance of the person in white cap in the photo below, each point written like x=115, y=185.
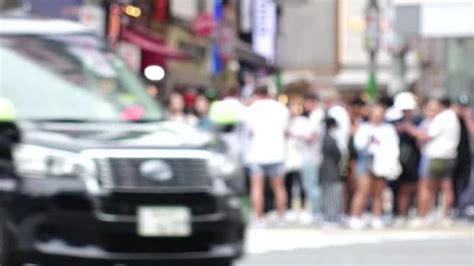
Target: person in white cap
x=410, y=155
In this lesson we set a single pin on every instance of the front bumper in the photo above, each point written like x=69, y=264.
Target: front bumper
x=73, y=227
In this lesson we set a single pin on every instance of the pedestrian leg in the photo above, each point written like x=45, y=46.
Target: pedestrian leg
x=311, y=185
x=378, y=185
x=257, y=191
x=278, y=186
x=448, y=195
x=403, y=199
x=426, y=194
x=289, y=180
x=359, y=201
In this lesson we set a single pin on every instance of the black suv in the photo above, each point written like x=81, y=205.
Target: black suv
x=97, y=176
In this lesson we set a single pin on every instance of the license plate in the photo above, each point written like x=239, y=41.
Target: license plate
x=164, y=221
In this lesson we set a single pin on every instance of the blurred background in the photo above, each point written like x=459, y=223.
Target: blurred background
x=360, y=48
x=293, y=46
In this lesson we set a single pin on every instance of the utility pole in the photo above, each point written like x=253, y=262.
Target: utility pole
x=398, y=47
x=372, y=44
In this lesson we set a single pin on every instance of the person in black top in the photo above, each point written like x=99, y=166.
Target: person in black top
x=462, y=170
x=330, y=176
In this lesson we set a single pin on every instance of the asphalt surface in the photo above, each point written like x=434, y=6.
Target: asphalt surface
x=303, y=247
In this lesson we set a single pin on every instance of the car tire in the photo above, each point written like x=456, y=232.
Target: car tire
x=7, y=254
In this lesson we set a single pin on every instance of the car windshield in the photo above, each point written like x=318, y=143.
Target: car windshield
x=71, y=77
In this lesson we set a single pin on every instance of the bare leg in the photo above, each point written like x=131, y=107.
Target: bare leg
x=278, y=186
x=403, y=199
x=448, y=193
x=361, y=195
x=256, y=192
x=349, y=189
x=378, y=189
x=426, y=195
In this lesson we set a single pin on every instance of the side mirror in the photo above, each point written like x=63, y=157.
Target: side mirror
x=9, y=136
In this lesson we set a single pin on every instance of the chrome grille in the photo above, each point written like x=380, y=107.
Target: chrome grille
x=125, y=173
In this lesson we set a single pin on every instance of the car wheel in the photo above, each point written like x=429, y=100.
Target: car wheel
x=7, y=254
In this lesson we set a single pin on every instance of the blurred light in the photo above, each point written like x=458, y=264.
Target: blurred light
x=357, y=24
x=234, y=66
x=283, y=99
x=152, y=90
x=154, y=72
x=133, y=11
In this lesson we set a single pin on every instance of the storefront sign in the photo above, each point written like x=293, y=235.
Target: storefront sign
x=264, y=30
x=160, y=10
x=204, y=25
x=246, y=16
x=227, y=40
x=194, y=51
x=184, y=9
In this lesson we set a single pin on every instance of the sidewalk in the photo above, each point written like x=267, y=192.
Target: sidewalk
x=262, y=240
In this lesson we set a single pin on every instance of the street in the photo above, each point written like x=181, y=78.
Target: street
x=295, y=247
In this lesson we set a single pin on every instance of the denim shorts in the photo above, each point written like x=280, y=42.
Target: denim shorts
x=273, y=170
x=364, y=164
x=424, y=167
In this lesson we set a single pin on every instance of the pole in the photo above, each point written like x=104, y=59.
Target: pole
x=372, y=42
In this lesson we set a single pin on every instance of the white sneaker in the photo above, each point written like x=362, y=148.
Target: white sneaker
x=446, y=222
x=330, y=226
x=258, y=223
x=399, y=222
x=281, y=222
x=305, y=218
x=377, y=223
x=356, y=223
x=291, y=217
x=419, y=223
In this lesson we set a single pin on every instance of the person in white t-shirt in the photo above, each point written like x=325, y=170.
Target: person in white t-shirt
x=442, y=139
x=343, y=132
x=377, y=146
x=312, y=157
x=266, y=121
x=298, y=131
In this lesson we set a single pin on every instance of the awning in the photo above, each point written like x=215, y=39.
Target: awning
x=246, y=54
x=152, y=44
x=357, y=78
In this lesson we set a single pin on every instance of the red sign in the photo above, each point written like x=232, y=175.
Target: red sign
x=204, y=25
x=161, y=10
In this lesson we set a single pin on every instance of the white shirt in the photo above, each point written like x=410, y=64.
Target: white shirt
x=445, y=132
x=296, y=145
x=369, y=137
x=382, y=142
x=342, y=133
x=267, y=121
x=312, y=151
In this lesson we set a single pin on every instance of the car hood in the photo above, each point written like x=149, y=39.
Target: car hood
x=90, y=135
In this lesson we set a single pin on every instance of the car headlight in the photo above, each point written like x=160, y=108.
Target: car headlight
x=37, y=161
x=224, y=167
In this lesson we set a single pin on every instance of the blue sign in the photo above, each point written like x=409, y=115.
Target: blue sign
x=216, y=59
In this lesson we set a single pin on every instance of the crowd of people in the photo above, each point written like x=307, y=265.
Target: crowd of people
x=317, y=160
